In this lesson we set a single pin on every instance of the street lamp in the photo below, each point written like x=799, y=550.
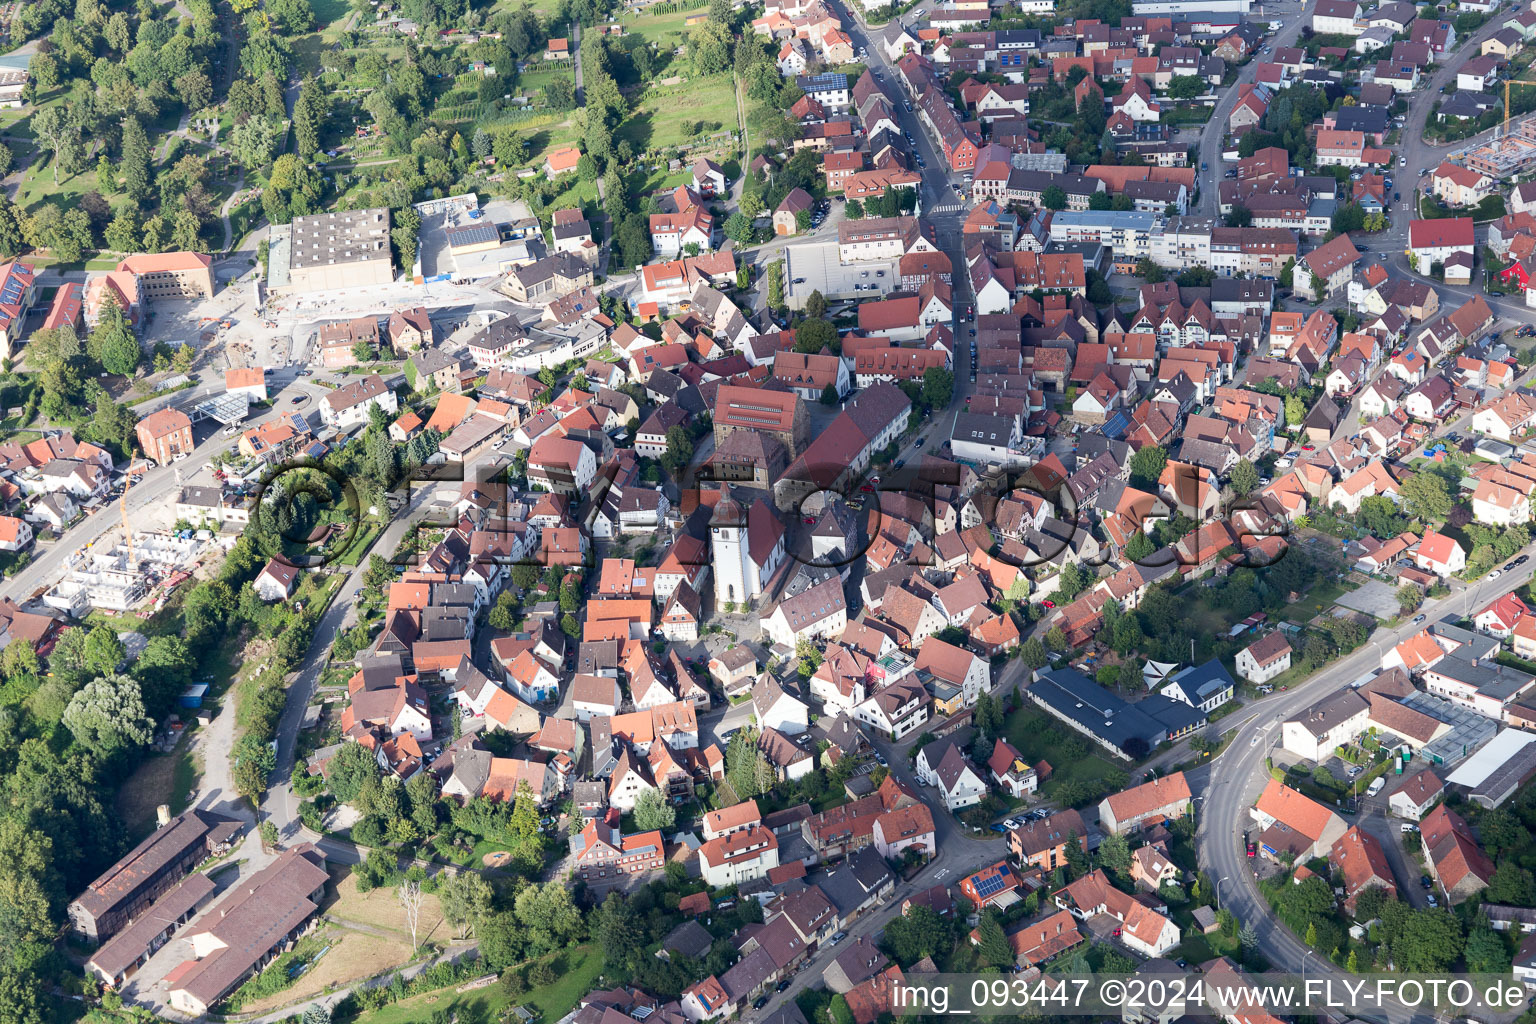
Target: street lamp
x=1304, y=960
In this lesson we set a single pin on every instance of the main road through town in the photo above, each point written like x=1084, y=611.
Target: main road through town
x=1238, y=775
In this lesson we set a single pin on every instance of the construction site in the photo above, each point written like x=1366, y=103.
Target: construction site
x=1511, y=151
x=114, y=575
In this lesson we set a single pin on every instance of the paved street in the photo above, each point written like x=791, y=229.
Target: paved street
x=1232, y=785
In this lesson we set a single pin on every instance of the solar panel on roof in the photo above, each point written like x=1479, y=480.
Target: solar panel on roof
x=988, y=886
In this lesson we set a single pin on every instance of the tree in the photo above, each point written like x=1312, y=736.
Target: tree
x=1053, y=197
x=352, y=767
x=65, y=233
x=618, y=932
x=652, y=812
x=1245, y=477
x=815, y=305
x=679, y=448
x=1287, y=273
x=11, y=236
x=164, y=668
x=104, y=652
x=829, y=395
x=195, y=90
x=1033, y=652
x=738, y=228
x=466, y=898
x=55, y=129
x=815, y=335
x=853, y=209
x=410, y=896
x=1150, y=272
x=107, y=716
x=1295, y=410
x=994, y=947
x=916, y=934
x=134, y=160
x=1056, y=639
x=1115, y=853
x=549, y=916
x=122, y=234
x=1138, y=549
x=938, y=387
x=1147, y=467
x=1425, y=497
x=1185, y=87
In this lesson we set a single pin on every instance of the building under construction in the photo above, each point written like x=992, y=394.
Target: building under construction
x=1510, y=154
x=118, y=577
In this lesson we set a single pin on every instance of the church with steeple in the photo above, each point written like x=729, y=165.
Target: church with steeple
x=747, y=549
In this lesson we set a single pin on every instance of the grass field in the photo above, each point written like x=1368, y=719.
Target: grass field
x=380, y=909
x=665, y=30
x=328, y=12
x=671, y=116
x=577, y=970
x=1038, y=737
x=1314, y=602
x=160, y=779
x=351, y=956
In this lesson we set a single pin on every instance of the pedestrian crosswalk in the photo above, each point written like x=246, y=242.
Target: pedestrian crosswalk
x=947, y=208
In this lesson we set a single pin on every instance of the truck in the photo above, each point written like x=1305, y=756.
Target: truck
x=1376, y=786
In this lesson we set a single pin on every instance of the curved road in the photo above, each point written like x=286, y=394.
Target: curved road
x=1230, y=792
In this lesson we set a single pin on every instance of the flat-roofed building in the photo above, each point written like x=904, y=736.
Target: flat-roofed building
x=340, y=249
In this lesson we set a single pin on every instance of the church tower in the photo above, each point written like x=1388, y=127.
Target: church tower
x=727, y=547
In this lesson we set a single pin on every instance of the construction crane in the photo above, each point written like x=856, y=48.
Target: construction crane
x=1513, y=81
x=123, y=506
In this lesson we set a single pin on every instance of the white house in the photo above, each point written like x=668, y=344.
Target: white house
x=739, y=857
x=276, y=581
x=1416, y=794
x=910, y=826
x=819, y=611
x=1433, y=241
x=15, y=534
x=775, y=708
x=944, y=765
x=1206, y=687
x=561, y=464
x=1440, y=555
x=595, y=695
x=348, y=406
x=957, y=666
x=1264, y=659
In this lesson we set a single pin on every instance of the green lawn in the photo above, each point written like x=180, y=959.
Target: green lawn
x=669, y=29
x=1077, y=765
x=358, y=549
x=1314, y=602
x=680, y=114
x=577, y=971
x=328, y=12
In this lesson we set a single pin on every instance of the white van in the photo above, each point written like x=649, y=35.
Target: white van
x=1376, y=786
